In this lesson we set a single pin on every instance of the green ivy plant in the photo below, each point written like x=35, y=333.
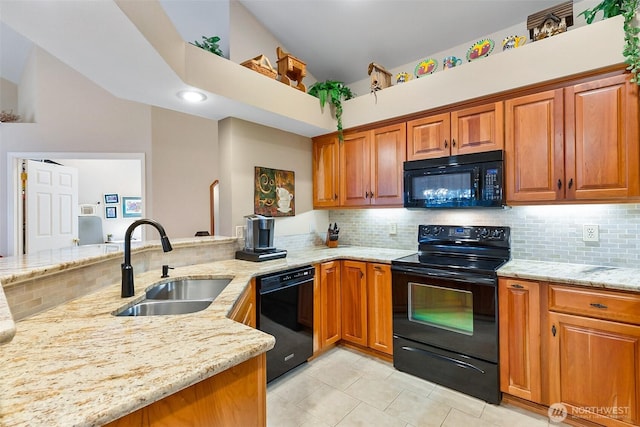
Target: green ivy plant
x=210, y=44
x=627, y=8
x=333, y=92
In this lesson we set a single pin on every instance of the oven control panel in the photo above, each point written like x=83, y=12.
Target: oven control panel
x=452, y=233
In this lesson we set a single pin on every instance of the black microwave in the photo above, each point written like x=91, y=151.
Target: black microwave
x=464, y=181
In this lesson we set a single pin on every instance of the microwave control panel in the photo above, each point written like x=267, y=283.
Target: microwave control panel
x=492, y=189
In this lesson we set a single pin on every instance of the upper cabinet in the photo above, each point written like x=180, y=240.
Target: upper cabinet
x=575, y=143
x=371, y=167
x=325, y=171
x=469, y=130
x=363, y=170
x=601, y=139
x=570, y=141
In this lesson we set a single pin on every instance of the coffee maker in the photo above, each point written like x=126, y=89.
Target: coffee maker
x=258, y=240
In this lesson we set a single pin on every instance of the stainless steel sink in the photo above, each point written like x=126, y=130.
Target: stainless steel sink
x=188, y=289
x=167, y=307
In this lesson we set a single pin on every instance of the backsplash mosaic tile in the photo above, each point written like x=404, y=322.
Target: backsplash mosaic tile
x=543, y=233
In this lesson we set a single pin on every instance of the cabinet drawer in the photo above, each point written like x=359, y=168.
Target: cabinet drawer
x=599, y=304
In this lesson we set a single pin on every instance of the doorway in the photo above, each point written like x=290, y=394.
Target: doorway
x=106, y=169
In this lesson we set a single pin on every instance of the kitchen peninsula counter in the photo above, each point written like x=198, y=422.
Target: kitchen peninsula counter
x=79, y=365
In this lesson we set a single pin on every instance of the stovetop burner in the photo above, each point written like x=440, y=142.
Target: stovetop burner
x=459, y=248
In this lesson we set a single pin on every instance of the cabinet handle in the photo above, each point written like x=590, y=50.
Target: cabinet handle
x=371, y=194
x=335, y=197
x=453, y=142
x=559, y=184
x=446, y=144
x=571, y=183
x=366, y=195
x=553, y=330
x=515, y=285
x=598, y=305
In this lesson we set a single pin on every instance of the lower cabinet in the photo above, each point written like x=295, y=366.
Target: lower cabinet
x=354, y=305
x=245, y=309
x=354, y=302
x=574, y=346
x=235, y=397
x=519, y=311
x=380, y=313
x=329, y=319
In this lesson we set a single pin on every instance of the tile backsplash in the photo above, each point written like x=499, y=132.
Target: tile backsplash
x=544, y=233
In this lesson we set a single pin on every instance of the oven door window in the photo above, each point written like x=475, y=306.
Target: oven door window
x=445, y=308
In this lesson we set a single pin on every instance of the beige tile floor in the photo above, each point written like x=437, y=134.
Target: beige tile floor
x=346, y=388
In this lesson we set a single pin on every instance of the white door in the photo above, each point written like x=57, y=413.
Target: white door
x=51, y=206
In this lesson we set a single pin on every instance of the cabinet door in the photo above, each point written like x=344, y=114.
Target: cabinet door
x=601, y=122
x=388, y=152
x=595, y=368
x=330, y=305
x=380, y=315
x=355, y=175
x=477, y=129
x=354, y=302
x=429, y=137
x=245, y=308
x=534, y=147
x=519, y=313
x=325, y=171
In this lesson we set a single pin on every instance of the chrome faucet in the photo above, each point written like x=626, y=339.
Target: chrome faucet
x=128, y=289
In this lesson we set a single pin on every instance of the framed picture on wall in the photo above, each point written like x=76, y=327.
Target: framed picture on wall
x=111, y=212
x=111, y=199
x=131, y=207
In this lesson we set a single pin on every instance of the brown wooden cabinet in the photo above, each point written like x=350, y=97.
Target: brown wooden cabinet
x=594, y=353
x=371, y=167
x=575, y=143
x=354, y=302
x=235, y=397
x=326, y=173
x=464, y=131
x=330, y=317
x=244, y=311
x=519, y=314
x=601, y=139
x=379, y=308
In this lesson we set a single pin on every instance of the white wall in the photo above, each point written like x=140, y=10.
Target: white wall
x=8, y=96
x=244, y=146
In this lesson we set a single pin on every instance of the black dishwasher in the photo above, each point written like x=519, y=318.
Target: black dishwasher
x=285, y=310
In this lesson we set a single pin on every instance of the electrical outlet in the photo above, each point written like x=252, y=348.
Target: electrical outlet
x=590, y=233
x=239, y=231
x=393, y=228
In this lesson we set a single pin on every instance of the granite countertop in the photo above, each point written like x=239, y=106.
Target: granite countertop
x=78, y=365
x=596, y=276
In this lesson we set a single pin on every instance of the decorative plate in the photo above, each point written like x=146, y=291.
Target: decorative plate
x=480, y=49
x=425, y=67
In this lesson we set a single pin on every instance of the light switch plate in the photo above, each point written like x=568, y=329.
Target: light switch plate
x=590, y=233
x=239, y=231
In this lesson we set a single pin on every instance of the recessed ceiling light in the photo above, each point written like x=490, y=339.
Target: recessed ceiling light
x=192, y=95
